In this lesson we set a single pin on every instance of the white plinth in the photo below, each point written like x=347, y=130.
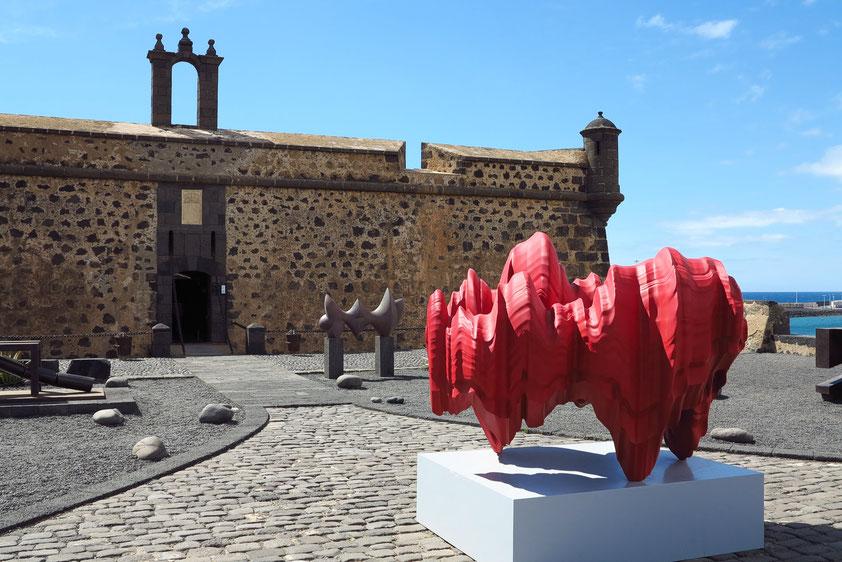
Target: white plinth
x=574, y=503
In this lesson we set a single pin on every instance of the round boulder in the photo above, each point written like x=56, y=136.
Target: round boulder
x=376, y=399
x=150, y=449
x=395, y=400
x=111, y=416
x=732, y=434
x=113, y=382
x=349, y=381
x=216, y=413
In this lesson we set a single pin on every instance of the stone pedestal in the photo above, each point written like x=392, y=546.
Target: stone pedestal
x=384, y=356
x=573, y=502
x=161, y=340
x=99, y=369
x=255, y=339
x=334, y=358
x=828, y=347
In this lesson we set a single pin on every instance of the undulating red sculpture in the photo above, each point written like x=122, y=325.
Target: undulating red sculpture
x=649, y=348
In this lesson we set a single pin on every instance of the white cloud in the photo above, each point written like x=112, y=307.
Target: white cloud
x=753, y=94
x=657, y=21
x=726, y=230
x=638, y=82
x=184, y=10
x=813, y=132
x=747, y=219
x=715, y=29
x=800, y=116
x=725, y=241
x=780, y=41
x=829, y=165
x=21, y=33
x=718, y=68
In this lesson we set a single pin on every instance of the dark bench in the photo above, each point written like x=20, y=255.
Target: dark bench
x=831, y=389
x=828, y=347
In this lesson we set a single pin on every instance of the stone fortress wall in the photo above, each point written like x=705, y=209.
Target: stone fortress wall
x=94, y=224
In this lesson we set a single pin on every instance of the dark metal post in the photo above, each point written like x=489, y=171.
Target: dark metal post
x=178, y=315
x=384, y=356
x=33, y=347
x=334, y=358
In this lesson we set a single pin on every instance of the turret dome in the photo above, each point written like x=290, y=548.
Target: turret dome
x=600, y=123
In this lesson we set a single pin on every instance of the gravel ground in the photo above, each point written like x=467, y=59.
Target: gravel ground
x=149, y=367
x=772, y=396
x=314, y=363
x=48, y=456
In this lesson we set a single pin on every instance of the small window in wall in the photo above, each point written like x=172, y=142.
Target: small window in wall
x=170, y=243
x=597, y=147
x=213, y=244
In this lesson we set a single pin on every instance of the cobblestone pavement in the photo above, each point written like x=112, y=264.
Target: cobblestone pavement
x=338, y=483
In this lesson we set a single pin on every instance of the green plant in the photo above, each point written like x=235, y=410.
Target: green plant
x=7, y=379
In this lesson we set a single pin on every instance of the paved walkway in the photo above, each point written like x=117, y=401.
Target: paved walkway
x=338, y=483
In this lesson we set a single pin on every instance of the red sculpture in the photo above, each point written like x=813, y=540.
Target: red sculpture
x=649, y=348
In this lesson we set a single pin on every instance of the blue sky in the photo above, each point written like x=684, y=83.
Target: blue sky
x=730, y=111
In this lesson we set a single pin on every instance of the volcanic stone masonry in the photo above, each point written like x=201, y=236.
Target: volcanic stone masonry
x=114, y=227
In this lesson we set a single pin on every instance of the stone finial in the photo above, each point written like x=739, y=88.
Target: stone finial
x=159, y=46
x=599, y=113
x=185, y=44
x=211, y=50
x=384, y=318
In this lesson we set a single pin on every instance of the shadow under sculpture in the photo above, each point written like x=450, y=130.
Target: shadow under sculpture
x=383, y=319
x=649, y=348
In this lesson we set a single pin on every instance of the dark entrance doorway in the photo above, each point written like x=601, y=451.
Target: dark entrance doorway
x=191, y=292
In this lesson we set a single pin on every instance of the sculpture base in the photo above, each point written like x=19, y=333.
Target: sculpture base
x=384, y=356
x=334, y=358
x=573, y=502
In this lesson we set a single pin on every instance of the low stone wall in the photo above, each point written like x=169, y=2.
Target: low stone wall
x=795, y=345
x=811, y=312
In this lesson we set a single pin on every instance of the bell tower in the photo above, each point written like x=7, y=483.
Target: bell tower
x=207, y=67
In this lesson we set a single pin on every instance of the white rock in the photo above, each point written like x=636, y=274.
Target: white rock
x=150, y=449
x=733, y=434
x=111, y=416
x=116, y=382
x=349, y=381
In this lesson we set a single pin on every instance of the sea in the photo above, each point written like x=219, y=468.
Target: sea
x=803, y=326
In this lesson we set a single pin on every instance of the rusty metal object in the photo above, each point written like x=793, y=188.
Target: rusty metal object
x=46, y=376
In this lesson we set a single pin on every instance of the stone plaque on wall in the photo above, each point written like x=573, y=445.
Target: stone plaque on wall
x=191, y=206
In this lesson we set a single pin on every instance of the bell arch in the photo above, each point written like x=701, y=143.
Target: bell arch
x=207, y=68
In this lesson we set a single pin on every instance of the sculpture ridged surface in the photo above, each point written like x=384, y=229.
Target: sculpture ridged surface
x=384, y=319
x=649, y=348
